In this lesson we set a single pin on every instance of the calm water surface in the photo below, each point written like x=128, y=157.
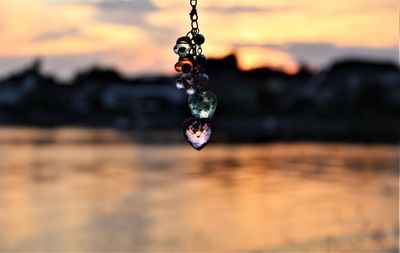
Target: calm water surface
x=60, y=192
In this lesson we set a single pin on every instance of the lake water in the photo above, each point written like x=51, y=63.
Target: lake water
x=90, y=191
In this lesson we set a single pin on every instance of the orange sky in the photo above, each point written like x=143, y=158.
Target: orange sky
x=137, y=36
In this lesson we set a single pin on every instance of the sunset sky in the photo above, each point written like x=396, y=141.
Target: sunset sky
x=137, y=36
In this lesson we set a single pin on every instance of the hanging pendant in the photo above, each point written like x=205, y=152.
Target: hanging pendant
x=198, y=130
x=203, y=104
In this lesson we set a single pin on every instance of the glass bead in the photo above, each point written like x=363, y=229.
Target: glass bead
x=187, y=68
x=203, y=79
x=183, y=39
x=178, y=67
x=188, y=78
x=199, y=39
x=190, y=91
x=184, y=65
x=180, y=84
x=203, y=105
x=195, y=79
x=201, y=59
x=182, y=49
x=198, y=132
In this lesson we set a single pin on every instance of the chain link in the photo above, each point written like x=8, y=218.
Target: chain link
x=194, y=17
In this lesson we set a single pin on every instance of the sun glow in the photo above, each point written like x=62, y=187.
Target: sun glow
x=139, y=39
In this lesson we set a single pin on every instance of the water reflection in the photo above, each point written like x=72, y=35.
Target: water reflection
x=113, y=196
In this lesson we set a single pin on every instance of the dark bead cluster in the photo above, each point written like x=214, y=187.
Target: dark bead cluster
x=192, y=82
x=190, y=63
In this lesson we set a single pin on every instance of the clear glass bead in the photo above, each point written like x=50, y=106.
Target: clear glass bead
x=190, y=91
x=203, y=105
x=180, y=84
x=189, y=79
x=203, y=79
x=198, y=132
x=182, y=49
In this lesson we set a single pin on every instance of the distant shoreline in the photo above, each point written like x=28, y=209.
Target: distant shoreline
x=98, y=135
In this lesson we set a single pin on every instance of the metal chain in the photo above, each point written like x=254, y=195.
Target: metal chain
x=194, y=18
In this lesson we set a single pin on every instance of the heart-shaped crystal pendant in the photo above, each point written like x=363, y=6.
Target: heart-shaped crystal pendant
x=198, y=132
x=203, y=104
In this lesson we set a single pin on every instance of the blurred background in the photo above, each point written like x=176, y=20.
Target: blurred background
x=305, y=157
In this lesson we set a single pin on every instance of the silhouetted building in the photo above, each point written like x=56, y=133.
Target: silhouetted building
x=344, y=102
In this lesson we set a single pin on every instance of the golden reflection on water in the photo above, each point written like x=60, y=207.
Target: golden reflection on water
x=115, y=196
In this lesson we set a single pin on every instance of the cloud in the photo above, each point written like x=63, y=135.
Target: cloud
x=55, y=35
x=126, y=5
x=107, y=5
x=134, y=13
x=322, y=54
x=136, y=36
x=244, y=9
x=127, y=12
